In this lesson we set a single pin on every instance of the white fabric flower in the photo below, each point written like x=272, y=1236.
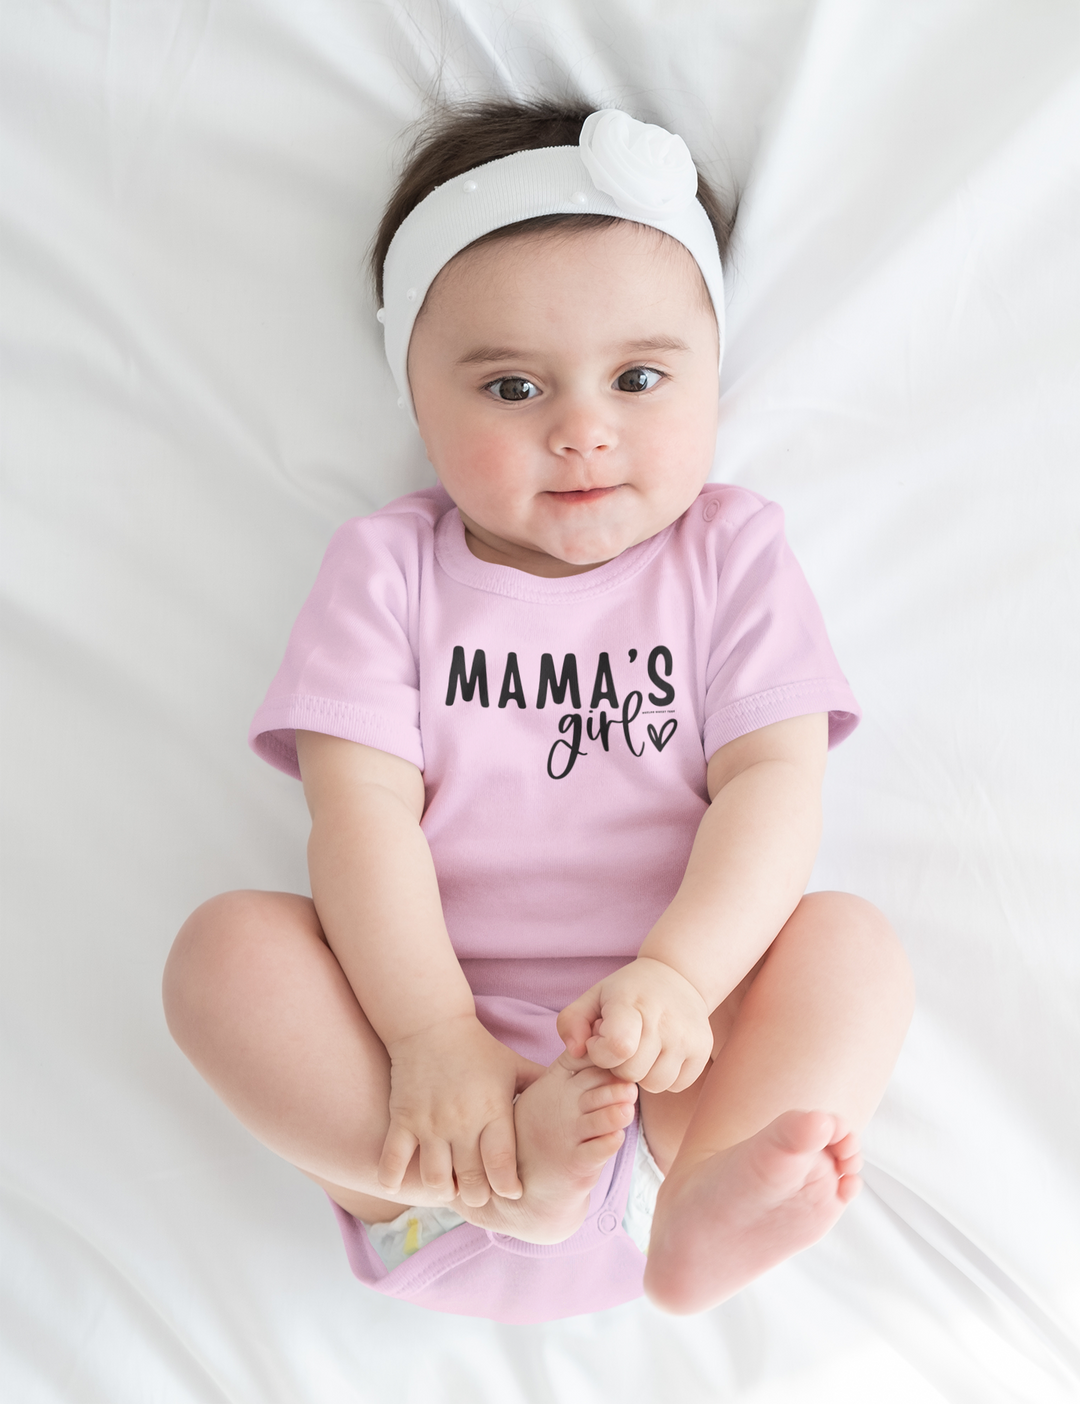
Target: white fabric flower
x=645, y=169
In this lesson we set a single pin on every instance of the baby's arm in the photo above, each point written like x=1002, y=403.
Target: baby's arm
x=452, y=1084
x=748, y=868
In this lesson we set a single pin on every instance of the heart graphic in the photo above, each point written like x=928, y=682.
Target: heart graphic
x=663, y=736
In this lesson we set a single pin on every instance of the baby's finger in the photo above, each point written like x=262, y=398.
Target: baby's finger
x=436, y=1168
x=637, y=1067
x=472, y=1184
x=566, y=1062
x=575, y=1024
x=498, y=1149
x=664, y=1073
x=692, y=1068
x=397, y=1152
x=618, y=1038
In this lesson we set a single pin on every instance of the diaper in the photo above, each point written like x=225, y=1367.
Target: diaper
x=645, y=1180
x=414, y=1229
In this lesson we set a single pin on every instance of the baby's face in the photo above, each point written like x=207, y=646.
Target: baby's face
x=566, y=389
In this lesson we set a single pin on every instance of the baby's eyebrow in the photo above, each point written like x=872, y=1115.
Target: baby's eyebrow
x=656, y=343
x=483, y=355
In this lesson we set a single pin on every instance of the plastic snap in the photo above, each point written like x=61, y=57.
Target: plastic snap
x=607, y=1222
x=380, y=316
x=401, y=402
x=469, y=187
x=710, y=510
x=579, y=198
x=410, y=296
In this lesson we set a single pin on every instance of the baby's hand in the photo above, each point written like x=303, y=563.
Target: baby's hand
x=646, y=1023
x=452, y=1089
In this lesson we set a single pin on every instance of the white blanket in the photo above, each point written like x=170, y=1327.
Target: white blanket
x=196, y=397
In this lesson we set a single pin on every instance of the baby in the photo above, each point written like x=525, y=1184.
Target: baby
x=562, y=725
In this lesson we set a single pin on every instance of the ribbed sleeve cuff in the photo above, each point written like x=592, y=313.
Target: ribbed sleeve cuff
x=273, y=731
x=780, y=704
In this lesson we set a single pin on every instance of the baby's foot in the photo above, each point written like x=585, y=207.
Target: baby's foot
x=733, y=1215
x=569, y=1124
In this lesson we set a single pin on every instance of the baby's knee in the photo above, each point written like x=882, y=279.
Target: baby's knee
x=844, y=922
x=211, y=953
x=846, y=915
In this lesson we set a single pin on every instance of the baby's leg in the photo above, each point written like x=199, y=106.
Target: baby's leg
x=770, y=1156
x=257, y=1001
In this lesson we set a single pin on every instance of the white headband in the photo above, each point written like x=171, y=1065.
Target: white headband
x=620, y=167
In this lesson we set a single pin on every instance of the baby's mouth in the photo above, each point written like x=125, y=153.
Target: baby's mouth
x=584, y=495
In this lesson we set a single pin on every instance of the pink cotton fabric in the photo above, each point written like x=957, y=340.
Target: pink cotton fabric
x=563, y=726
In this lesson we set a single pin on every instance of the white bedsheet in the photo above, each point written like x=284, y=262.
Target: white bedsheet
x=195, y=398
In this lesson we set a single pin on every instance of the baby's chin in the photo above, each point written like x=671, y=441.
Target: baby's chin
x=587, y=549
x=586, y=553
x=541, y=545
x=586, y=543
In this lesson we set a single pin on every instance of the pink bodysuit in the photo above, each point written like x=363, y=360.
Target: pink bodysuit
x=563, y=727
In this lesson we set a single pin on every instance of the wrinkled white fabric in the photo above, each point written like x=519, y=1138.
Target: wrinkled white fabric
x=197, y=396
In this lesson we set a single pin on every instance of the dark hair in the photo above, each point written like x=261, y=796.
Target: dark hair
x=457, y=139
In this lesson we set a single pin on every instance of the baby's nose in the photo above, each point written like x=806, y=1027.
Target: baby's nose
x=582, y=428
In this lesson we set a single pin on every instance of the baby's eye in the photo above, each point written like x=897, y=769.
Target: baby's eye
x=513, y=387
x=638, y=378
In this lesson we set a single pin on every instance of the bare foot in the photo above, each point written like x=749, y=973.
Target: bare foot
x=725, y=1220
x=569, y=1124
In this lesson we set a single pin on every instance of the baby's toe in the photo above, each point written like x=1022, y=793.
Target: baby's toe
x=590, y=1155
x=605, y=1121
x=849, y=1165
x=609, y=1094
x=848, y=1187
x=800, y=1133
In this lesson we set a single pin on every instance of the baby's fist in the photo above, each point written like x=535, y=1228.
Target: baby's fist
x=646, y=1023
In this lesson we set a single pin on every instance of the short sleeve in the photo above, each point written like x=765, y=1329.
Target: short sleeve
x=350, y=667
x=770, y=657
